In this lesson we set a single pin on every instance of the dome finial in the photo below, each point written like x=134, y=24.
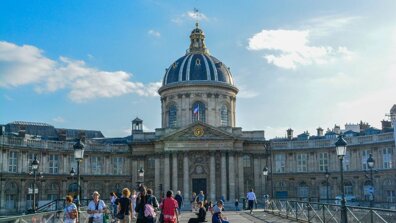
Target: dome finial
x=197, y=38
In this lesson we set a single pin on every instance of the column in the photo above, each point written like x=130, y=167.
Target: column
x=231, y=176
x=186, y=178
x=175, y=185
x=212, y=177
x=20, y=162
x=256, y=175
x=166, y=172
x=241, y=176
x=223, y=176
x=134, y=171
x=2, y=195
x=157, y=175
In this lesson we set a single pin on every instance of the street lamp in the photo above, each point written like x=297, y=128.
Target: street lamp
x=79, y=156
x=72, y=172
x=327, y=175
x=265, y=174
x=141, y=175
x=370, y=164
x=341, y=146
x=35, y=166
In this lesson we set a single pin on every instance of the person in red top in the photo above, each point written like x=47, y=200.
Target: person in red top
x=169, y=208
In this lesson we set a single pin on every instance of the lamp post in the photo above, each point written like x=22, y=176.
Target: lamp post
x=35, y=166
x=141, y=175
x=341, y=147
x=265, y=174
x=79, y=156
x=327, y=175
x=370, y=164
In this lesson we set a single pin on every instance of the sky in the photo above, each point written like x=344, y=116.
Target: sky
x=97, y=64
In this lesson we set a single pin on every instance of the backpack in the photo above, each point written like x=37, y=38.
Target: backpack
x=149, y=210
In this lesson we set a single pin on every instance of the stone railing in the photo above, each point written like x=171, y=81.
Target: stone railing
x=324, y=143
x=13, y=141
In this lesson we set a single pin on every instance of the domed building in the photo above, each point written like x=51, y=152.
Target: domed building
x=198, y=87
x=199, y=147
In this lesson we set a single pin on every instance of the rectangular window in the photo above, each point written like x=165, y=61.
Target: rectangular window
x=53, y=163
x=10, y=201
x=365, y=156
x=346, y=161
x=323, y=161
x=96, y=165
x=390, y=196
x=348, y=189
x=12, y=162
x=30, y=158
x=246, y=161
x=387, y=158
x=302, y=162
x=118, y=165
x=280, y=163
x=151, y=163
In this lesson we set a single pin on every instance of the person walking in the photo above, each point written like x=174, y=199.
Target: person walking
x=71, y=213
x=179, y=200
x=113, y=199
x=193, y=201
x=201, y=197
x=141, y=201
x=153, y=204
x=251, y=196
x=169, y=208
x=96, y=208
x=124, y=207
x=236, y=204
x=133, y=201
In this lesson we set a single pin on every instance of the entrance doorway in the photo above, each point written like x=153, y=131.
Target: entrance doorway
x=198, y=185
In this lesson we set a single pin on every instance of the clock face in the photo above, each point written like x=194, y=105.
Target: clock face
x=198, y=131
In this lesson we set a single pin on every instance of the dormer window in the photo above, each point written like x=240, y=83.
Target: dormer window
x=197, y=62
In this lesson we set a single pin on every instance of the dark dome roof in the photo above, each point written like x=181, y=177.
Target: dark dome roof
x=197, y=67
x=197, y=64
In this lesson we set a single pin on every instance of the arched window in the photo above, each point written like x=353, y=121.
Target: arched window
x=224, y=115
x=172, y=112
x=198, y=112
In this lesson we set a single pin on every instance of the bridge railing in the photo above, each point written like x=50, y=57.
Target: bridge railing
x=38, y=217
x=325, y=213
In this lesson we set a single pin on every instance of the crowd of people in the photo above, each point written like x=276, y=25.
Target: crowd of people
x=143, y=206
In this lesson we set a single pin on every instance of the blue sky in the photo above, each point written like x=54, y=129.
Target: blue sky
x=97, y=64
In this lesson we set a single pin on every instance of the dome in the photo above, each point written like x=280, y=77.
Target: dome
x=197, y=65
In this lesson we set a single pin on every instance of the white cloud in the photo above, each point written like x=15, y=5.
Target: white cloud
x=22, y=65
x=154, y=33
x=190, y=15
x=58, y=119
x=290, y=48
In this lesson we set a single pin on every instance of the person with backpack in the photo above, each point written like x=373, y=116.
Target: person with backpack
x=141, y=201
x=124, y=207
x=150, y=206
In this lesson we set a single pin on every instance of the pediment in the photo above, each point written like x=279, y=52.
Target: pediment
x=198, y=131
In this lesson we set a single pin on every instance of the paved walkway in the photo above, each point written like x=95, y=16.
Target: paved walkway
x=239, y=217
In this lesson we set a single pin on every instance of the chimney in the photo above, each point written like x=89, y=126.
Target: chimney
x=337, y=129
x=289, y=134
x=62, y=135
x=386, y=124
x=319, y=131
x=22, y=131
